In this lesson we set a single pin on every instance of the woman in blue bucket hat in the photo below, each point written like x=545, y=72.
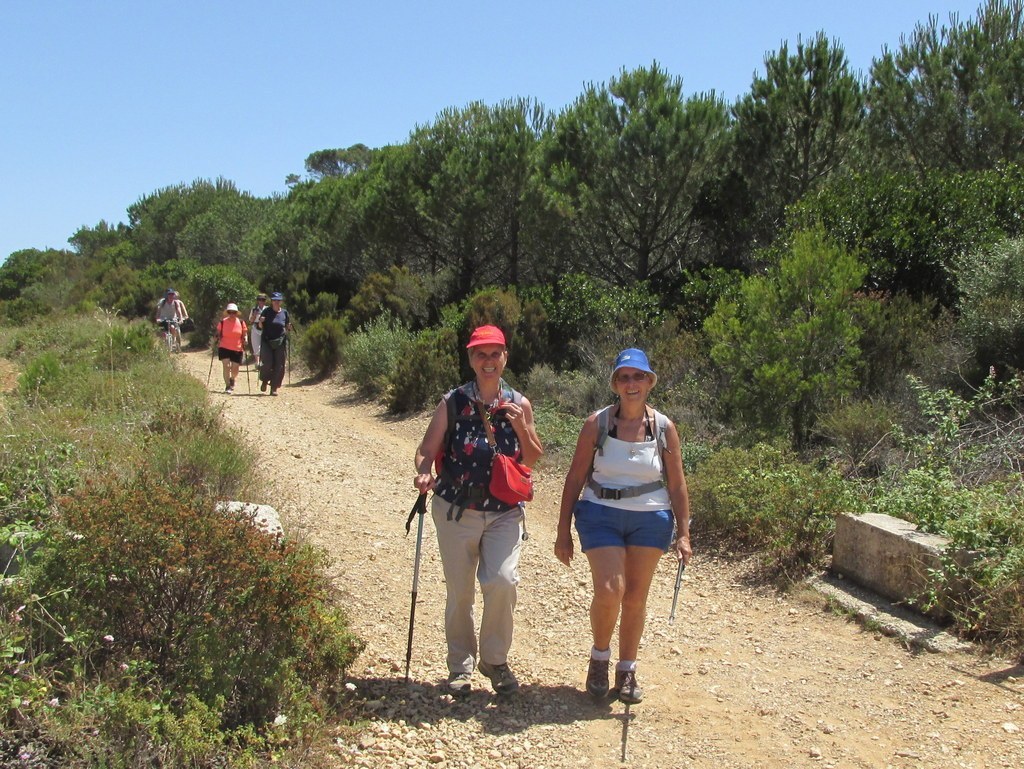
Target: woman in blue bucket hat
x=634, y=508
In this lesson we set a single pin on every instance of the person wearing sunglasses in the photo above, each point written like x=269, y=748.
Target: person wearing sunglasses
x=634, y=508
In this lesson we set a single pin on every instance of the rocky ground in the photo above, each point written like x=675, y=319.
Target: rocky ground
x=745, y=677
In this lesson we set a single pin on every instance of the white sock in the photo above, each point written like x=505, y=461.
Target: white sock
x=600, y=656
x=625, y=666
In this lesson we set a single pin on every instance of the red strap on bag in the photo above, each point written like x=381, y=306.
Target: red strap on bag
x=511, y=481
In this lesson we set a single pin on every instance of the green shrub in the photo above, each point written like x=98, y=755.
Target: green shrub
x=41, y=375
x=35, y=472
x=860, y=434
x=124, y=345
x=370, y=356
x=398, y=291
x=21, y=310
x=428, y=367
x=984, y=592
x=594, y=320
x=572, y=392
x=320, y=348
x=927, y=496
x=495, y=307
x=217, y=608
x=991, y=283
x=302, y=305
x=765, y=499
x=531, y=344
x=557, y=430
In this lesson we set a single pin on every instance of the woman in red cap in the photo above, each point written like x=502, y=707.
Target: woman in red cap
x=634, y=507
x=478, y=535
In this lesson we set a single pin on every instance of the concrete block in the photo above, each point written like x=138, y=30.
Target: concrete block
x=887, y=555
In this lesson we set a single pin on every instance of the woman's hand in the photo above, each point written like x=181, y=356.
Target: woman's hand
x=564, y=547
x=683, y=550
x=424, y=482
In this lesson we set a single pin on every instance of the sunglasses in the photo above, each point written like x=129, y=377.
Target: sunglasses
x=639, y=376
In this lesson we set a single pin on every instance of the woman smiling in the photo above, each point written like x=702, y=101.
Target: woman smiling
x=478, y=535
x=628, y=466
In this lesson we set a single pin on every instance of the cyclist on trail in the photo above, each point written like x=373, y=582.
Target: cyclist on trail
x=170, y=312
x=231, y=333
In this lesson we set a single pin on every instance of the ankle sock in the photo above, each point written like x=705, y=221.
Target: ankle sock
x=600, y=656
x=625, y=666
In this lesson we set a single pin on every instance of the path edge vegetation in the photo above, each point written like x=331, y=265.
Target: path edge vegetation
x=138, y=625
x=827, y=275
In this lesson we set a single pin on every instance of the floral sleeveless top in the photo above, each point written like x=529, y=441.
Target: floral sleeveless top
x=466, y=464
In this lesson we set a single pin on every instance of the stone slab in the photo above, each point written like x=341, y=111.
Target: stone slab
x=887, y=555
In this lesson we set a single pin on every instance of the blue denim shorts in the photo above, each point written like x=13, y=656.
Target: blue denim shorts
x=603, y=526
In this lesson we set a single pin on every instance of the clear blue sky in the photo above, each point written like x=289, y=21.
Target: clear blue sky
x=104, y=101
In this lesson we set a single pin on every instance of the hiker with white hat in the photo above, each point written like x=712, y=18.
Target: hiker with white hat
x=231, y=336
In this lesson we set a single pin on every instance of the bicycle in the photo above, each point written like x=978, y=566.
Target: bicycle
x=167, y=329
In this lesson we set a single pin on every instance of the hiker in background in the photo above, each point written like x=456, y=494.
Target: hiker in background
x=231, y=334
x=478, y=535
x=275, y=324
x=628, y=465
x=171, y=312
x=256, y=333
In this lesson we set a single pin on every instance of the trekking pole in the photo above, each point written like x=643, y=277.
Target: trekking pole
x=288, y=357
x=248, y=384
x=420, y=507
x=675, y=595
x=626, y=718
x=213, y=353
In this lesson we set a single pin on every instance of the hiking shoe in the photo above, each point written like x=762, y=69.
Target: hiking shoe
x=263, y=385
x=459, y=684
x=597, y=678
x=502, y=679
x=626, y=687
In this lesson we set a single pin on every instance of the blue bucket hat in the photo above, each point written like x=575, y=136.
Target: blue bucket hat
x=277, y=295
x=632, y=358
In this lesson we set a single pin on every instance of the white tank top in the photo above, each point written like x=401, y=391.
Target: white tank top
x=623, y=464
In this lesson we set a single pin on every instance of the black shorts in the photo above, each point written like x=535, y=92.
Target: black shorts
x=235, y=356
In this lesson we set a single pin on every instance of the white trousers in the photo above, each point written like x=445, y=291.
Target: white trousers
x=484, y=546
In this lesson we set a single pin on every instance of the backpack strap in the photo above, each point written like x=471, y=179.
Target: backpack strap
x=603, y=419
x=660, y=435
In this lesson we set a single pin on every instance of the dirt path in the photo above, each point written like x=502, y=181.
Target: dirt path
x=743, y=678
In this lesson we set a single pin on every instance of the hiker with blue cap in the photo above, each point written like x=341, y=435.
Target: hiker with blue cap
x=274, y=324
x=634, y=507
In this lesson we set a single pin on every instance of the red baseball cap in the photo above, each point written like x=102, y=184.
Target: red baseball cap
x=486, y=335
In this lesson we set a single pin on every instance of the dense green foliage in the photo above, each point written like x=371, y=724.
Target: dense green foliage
x=133, y=608
x=829, y=264
x=321, y=344
x=788, y=343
